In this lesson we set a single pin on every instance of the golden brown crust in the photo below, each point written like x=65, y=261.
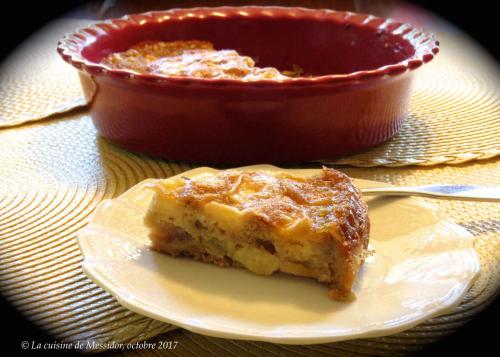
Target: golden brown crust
x=329, y=201
x=191, y=59
x=313, y=226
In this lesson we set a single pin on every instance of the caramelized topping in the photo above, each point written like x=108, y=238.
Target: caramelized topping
x=280, y=199
x=191, y=59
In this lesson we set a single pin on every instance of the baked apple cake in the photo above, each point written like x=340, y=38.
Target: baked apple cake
x=192, y=58
x=266, y=221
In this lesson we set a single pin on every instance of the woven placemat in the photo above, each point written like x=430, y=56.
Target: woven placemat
x=454, y=113
x=53, y=175
x=35, y=82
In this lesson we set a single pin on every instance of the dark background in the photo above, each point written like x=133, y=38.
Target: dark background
x=477, y=19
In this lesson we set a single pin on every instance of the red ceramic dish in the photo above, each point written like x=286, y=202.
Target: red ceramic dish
x=360, y=70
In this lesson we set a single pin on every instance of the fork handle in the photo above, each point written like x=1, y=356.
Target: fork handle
x=458, y=192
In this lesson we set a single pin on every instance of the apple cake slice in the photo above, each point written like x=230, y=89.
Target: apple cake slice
x=266, y=221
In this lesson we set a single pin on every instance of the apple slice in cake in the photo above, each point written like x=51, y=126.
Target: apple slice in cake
x=266, y=221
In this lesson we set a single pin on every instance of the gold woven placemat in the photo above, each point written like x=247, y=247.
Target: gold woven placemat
x=35, y=82
x=454, y=114
x=53, y=175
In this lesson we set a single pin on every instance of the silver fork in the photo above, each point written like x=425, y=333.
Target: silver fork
x=457, y=192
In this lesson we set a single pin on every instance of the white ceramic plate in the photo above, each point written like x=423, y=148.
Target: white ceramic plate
x=422, y=266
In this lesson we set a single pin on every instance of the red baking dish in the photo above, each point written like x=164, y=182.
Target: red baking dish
x=359, y=70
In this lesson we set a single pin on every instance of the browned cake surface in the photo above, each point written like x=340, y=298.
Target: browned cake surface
x=191, y=59
x=314, y=226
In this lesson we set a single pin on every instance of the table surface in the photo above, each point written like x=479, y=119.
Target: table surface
x=54, y=173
